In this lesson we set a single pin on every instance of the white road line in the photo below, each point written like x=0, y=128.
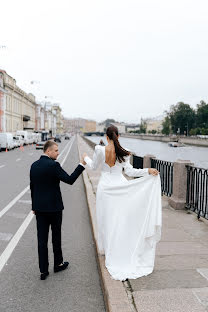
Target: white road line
x=18, y=159
x=64, y=150
x=68, y=151
x=2, y=166
x=3, y=211
x=14, y=241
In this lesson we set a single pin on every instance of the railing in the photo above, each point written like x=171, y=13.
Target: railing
x=166, y=174
x=197, y=191
x=137, y=162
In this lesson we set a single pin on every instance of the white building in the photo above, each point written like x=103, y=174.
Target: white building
x=121, y=127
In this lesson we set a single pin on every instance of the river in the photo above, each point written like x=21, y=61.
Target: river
x=197, y=155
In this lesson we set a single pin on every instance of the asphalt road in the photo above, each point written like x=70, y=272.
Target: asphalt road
x=75, y=289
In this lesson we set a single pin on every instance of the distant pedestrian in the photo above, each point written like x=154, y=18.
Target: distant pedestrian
x=102, y=143
x=47, y=204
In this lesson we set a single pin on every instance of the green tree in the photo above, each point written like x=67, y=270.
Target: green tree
x=166, y=124
x=182, y=117
x=143, y=126
x=202, y=115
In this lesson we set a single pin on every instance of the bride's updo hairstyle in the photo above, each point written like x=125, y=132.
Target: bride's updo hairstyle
x=112, y=133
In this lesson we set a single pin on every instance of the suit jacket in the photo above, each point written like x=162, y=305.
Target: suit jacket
x=45, y=177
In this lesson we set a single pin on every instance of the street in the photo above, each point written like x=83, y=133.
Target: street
x=76, y=289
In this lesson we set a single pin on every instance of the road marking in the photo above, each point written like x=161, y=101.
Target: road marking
x=18, y=159
x=17, y=215
x=67, y=152
x=30, y=154
x=25, y=201
x=14, y=241
x=3, y=211
x=2, y=166
x=64, y=149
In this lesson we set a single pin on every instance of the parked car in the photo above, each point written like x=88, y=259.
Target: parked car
x=57, y=138
x=21, y=140
x=67, y=136
x=6, y=140
x=16, y=141
x=39, y=145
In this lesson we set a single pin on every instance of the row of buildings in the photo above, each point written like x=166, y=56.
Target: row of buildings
x=79, y=125
x=20, y=110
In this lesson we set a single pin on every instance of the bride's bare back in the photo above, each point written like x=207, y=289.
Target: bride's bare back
x=110, y=155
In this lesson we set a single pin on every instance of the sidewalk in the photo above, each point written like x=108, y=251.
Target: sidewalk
x=179, y=281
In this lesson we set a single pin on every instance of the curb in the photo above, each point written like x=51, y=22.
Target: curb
x=114, y=292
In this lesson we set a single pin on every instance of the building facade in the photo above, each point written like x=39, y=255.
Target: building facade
x=2, y=104
x=154, y=124
x=59, y=118
x=19, y=108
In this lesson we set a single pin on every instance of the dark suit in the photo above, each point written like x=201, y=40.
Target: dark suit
x=45, y=177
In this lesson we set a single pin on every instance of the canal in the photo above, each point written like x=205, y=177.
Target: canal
x=197, y=155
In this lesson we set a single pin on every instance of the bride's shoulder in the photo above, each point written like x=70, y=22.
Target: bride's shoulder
x=99, y=147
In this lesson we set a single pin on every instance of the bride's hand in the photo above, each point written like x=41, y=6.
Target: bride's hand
x=153, y=171
x=84, y=155
x=82, y=160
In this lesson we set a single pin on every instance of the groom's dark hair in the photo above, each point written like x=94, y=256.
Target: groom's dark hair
x=48, y=144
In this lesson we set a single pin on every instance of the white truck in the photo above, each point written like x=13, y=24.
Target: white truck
x=27, y=136
x=6, y=141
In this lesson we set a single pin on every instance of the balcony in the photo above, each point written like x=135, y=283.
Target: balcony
x=26, y=118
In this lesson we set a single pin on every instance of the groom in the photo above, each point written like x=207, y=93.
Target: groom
x=47, y=204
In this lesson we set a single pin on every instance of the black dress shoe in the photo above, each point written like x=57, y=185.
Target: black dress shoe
x=43, y=276
x=61, y=267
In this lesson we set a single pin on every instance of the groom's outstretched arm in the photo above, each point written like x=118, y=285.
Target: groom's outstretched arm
x=62, y=175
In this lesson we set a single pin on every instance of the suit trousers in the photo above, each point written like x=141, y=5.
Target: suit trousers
x=44, y=221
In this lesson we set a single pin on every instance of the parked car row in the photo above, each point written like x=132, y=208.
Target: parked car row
x=9, y=141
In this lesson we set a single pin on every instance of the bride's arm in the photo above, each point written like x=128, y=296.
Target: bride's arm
x=95, y=161
x=132, y=172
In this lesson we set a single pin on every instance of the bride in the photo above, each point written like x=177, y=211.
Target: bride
x=129, y=214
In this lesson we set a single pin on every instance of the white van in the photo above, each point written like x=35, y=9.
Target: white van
x=27, y=136
x=6, y=140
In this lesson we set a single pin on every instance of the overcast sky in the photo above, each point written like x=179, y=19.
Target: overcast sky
x=108, y=58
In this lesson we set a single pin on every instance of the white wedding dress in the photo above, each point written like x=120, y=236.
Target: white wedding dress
x=129, y=217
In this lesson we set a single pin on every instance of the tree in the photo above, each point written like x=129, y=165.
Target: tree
x=143, y=126
x=182, y=117
x=108, y=122
x=166, y=124
x=202, y=115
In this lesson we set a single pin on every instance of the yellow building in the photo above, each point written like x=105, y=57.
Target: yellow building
x=90, y=126
x=154, y=124
x=59, y=119
x=20, y=107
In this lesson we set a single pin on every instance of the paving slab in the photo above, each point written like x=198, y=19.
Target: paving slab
x=180, y=262
x=181, y=248
x=167, y=300
x=165, y=279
